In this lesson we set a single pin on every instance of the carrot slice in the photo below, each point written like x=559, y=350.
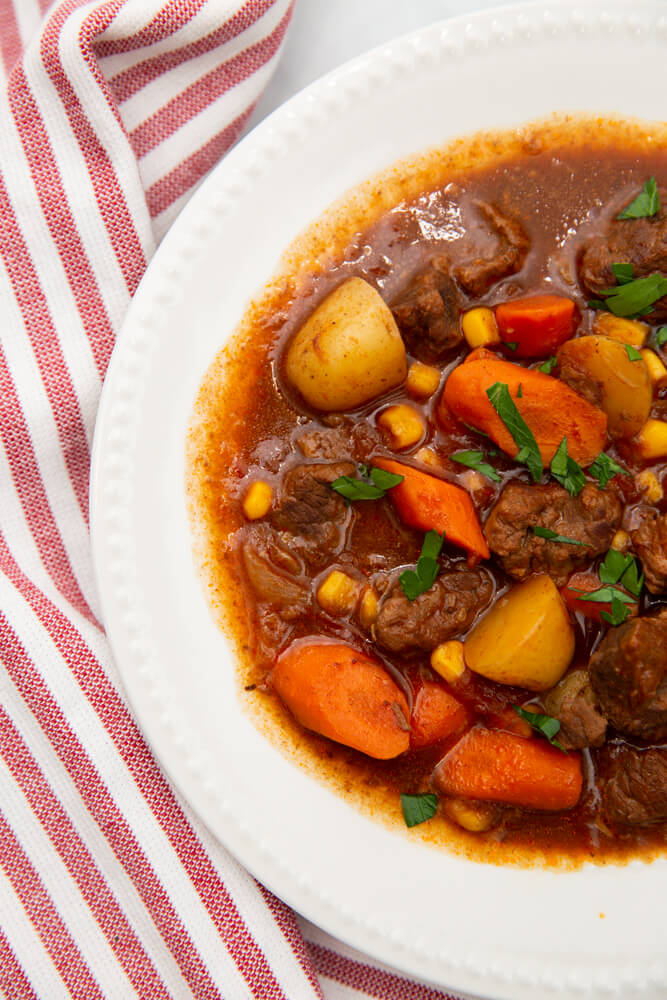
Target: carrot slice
x=537, y=324
x=588, y=582
x=339, y=692
x=501, y=767
x=428, y=503
x=549, y=407
x=436, y=714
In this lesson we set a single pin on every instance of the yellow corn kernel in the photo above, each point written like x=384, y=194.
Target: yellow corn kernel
x=621, y=541
x=428, y=457
x=477, y=817
x=652, y=440
x=627, y=331
x=656, y=369
x=473, y=480
x=404, y=425
x=368, y=609
x=257, y=501
x=338, y=593
x=422, y=380
x=649, y=484
x=479, y=327
x=447, y=660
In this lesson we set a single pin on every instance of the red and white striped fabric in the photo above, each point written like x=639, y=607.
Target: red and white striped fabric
x=109, y=887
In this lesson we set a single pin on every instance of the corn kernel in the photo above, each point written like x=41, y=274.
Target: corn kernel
x=477, y=817
x=422, y=380
x=404, y=425
x=257, y=501
x=473, y=480
x=428, y=457
x=652, y=440
x=368, y=609
x=621, y=541
x=656, y=369
x=479, y=327
x=649, y=483
x=627, y=331
x=447, y=660
x=338, y=593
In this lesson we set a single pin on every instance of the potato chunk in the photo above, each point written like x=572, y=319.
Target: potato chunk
x=526, y=638
x=348, y=351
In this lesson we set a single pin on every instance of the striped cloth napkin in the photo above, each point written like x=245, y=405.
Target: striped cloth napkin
x=112, y=111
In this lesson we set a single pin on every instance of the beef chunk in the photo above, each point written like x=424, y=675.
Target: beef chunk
x=640, y=242
x=427, y=312
x=579, y=379
x=592, y=517
x=445, y=610
x=650, y=544
x=572, y=702
x=357, y=440
x=273, y=572
x=629, y=677
x=477, y=276
x=310, y=511
x=634, y=785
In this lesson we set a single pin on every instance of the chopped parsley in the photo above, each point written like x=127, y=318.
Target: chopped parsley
x=548, y=366
x=544, y=724
x=568, y=472
x=605, y=468
x=413, y=583
x=619, y=567
x=418, y=808
x=646, y=204
x=632, y=352
x=631, y=296
x=476, y=460
x=623, y=273
x=362, y=489
x=552, y=536
x=519, y=392
x=661, y=336
x=523, y=437
x=512, y=344
x=613, y=596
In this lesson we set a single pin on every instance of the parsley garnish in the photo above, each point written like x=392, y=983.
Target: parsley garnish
x=519, y=392
x=415, y=583
x=418, y=808
x=361, y=489
x=646, y=203
x=523, y=437
x=632, y=296
x=624, y=273
x=568, y=472
x=661, y=336
x=605, y=468
x=552, y=536
x=632, y=352
x=512, y=344
x=548, y=366
x=476, y=460
x=544, y=724
x=618, y=600
x=621, y=568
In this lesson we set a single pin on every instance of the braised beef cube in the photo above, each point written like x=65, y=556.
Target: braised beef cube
x=311, y=512
x=572, y=702
x=427, y=313
x=640, y=242
x=448, y=608
x=650, y=543
x=629, y=677
x=477, y=276
x=592, y=517
x=634, y=785
x=272, y=571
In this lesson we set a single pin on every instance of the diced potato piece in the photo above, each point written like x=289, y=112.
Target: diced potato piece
x=626, y=331
x=626, y=387
x=447, y=660
x=257, y=501
x=338, y=594
x=649, y=483
x=348, y=351
x=479, y=327
x=422, y=380
x=525, y=639
x=404, y=425
x=368, y=608
x=621, y=541
x=652, y=440
x=477, y=817
x=656, y=369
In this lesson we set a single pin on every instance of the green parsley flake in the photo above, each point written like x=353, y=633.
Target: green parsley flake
x=548, y=366
x=605, y=468
x=632, y=352
x=646, y=204
x=418, y=808
x=619, y=567
x=568, y=472
x=544, y=724
x=661, y=336
x=552, y=536
x=476, y=460
x=415, y=583
x=523, y=437
x=361, y=489
x=634, y=297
